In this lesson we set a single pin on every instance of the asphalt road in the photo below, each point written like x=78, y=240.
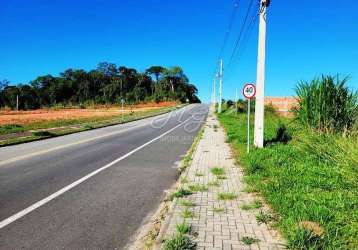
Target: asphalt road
x=91, y=190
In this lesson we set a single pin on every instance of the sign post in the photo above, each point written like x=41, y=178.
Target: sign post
x=249, y=92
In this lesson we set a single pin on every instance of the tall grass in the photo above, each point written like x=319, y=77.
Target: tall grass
x=327, y=105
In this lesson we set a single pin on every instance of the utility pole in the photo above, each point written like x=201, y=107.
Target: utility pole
x=220, y=85
x=214, y=93
x=260, y=79
x=17, y=102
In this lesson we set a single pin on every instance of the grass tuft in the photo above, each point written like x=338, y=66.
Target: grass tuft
x=263, y=217
x=187, y=203
x=249, y=240
x=255, y=205
x=183, y=228
x=227, y=196
x=198, y=188
x=187, y=213
x=217, y=171
x=181, y=192
x=179, y=242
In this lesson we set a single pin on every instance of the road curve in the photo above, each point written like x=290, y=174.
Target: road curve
x=91, y=190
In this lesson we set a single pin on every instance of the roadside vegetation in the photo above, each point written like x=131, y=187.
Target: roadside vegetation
x=308, y=170
x=16, y=133
x=107, y=84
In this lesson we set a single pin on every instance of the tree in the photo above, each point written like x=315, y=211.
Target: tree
x=157, y=71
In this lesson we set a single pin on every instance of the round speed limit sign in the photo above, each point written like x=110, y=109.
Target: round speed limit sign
x=249, y=91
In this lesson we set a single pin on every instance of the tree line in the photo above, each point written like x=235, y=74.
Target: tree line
x=107, y=84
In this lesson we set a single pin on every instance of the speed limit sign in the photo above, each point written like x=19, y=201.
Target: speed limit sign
x=249, y=91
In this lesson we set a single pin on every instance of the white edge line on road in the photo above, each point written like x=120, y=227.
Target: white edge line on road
x=42, y=202
x=17, y=158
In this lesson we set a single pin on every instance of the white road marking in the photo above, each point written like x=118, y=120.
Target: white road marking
x=22, y=157
x=79, y=181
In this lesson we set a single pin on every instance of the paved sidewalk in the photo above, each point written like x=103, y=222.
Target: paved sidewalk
x=220, y=224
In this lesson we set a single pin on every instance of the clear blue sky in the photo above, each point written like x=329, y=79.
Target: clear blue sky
x=305, y=39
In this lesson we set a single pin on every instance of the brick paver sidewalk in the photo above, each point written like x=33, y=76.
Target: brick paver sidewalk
x=220, y=224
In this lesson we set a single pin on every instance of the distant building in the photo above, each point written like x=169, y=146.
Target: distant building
x=283, y=105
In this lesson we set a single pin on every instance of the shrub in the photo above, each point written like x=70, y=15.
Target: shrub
x=327, y=105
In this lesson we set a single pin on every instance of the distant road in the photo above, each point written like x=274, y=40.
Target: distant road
x=91, y=190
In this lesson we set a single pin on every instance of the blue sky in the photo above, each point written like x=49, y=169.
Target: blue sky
x=304, y=39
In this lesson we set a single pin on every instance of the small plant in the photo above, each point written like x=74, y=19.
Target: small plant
x=217, y=171
x=249, y=240
x=179, y=242
x=199, y=174
x=227, y=196
x=198, y=188
x=184, y=180
x=187, y=203
x=218, y=210
x=221, y=177
x=183, y=228
x=181, y=192
x=215, y=183
x=187, y=213
x=250, y=189
x=263, y=217
x=255, y=205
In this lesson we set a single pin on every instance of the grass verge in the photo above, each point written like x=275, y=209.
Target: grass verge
x=44, y=130
x=309, y=180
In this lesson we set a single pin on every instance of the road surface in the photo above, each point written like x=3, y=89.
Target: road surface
x=91, y=190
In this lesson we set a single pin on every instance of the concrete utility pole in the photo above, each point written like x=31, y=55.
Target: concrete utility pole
x=260, y=80
x=220, y=85
x=214, y=93
x=17, y=102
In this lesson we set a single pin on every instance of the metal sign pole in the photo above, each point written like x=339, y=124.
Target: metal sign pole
x=248, y=125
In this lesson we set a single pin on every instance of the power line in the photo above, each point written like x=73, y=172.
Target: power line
x=241, y=33
x=227, y=34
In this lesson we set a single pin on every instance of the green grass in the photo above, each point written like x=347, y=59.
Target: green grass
x=218, y=210
x=184, y=180
x=227, y=196
x=264, y=217
x=249, y=240
x=183, y=228
x=81, y=124
x=217, y=171
x=187, y=213
x=181, y=192
x=254, y=205
x=313, y=177
x=198, y=188
x=199, y=174
x=215, y=183
x=11, y=128
x=179, y=242
x=187, y=203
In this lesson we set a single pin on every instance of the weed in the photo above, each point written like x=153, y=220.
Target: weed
x=221, y=177
x=215, y=183
x=198, y=188
x=183, y=228
x=179, y=242
x=187, y=203
x=227, y=196
x=218, y=210
x=255, y=205
x=249, y=240
x=187, y=213
x=181, y=192
x=184, y=180
x=263, y=217
x=199, y=174
x=217, y=171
